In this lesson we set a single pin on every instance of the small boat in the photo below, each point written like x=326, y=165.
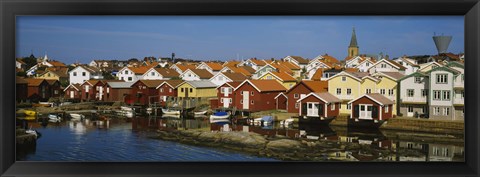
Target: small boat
x=168, y=111
x=219, y=121
x=172, y=116
x=54, y=117
x=29, y=118
x=287, y=122
x=263, y=121
x=33, y=132
x=30, y=113
x=200, y=112
x=77, y=116
x=219, y=115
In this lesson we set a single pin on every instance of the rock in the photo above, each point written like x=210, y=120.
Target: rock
x=251, y=140
x=283, y=145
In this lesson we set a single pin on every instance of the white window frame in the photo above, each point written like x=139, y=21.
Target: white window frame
x=386, y=109
x=339, y=91
x=344, y=78
x=442, y=78
x=367, y=91
x=332, y=107
x=296, y=95
x=349, y=91
x=408, y=92
x=437, y=93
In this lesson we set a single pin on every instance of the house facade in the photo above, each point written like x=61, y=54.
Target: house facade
x=73, y=92
x=118, y=92
x=283, y=78
x=38, y=90
x=223, y=77
x=225, y=94
x=82, y=73
x=257, y=95
x=167, y=91
x=372, y=106
x=443, y=95
x=319, y=105
x=299, y=91
x=145, y=92
x=414, y=93
x=385, y=65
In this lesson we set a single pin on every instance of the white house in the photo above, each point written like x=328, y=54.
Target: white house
x=196, y=75
x=223, y=77
x=211, y=67
x=159, y=74
x=82, y=73
x=31, y=71
x=132, y=74
x=254, y=63
x=297, y=60
x=411, y=65
x=353, y=62
x=414, y=94
x=385, y=65
x=364, y=65
x=443, y=105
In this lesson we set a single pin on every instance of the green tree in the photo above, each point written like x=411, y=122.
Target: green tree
x=108, y=75
x=22, y=74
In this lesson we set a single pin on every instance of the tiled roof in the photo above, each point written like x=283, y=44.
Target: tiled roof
x=284, y=76
x=57, y=64
x=258, y=62
x=166, y=72
x=231, y=63
x=380, y=98
x=90, y=69
x=120, y=84
x=234, y=84
x=300, y=59
x=359, y=75
x=289, y=65
x=241, y=70
x=214, y=66
x=202, y=73
x=268, y=85
x=139, y=70
x=173, y=83
x=329, y=59
x=248, y=68
x=20, y=80
x=34, y=82
x=317, y=75
x=317, y=86
x=235, y=76
x=395, y=75
x=328, y=97
x=351, y=69
x=185, y=67
x=396, y=64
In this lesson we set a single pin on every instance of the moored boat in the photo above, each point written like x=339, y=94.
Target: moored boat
x=54, y=117
x=219, y=115
x=168, y=111
x=200, y=112
x=30, y=113
x=287, y=121
x=77, y=116
x=263, y=121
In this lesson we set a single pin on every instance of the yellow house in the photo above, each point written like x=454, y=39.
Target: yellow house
x=197, y=89
x=54, y=75
x=387, y=86
x=346, y=86
x=428, y=66
x=283, y=78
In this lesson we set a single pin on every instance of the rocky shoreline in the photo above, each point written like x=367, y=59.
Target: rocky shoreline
x=281, y=148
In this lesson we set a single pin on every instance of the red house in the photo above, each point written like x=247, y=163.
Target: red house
x=322, y=107
x=225, y=94
x=91, y=90
x=288, y=100
x=167, y=91
x=21, y=89
x=370, y=110
x=38, y=90
x=118, y=91
x=55, y=88
x=257, y=95
x=145, y=92
x=73, y=92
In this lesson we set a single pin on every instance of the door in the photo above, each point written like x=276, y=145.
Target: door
x=246, y=101
x=72, y=94
x=410, y=111
x=365, y=111
x=226, y=102
x=225, y=91
x=312, y=109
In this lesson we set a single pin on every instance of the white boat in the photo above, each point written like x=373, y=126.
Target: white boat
x=200, y=112
x=287, y=121
x=172, y=116
x=124, y=108
x=167, y=111
x=77, y=116
x=33, y=132
x=54, y=117
x=219, y=115
x=267, y=121
x=218, y=120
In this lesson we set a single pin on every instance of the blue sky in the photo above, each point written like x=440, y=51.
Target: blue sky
x=84, y=38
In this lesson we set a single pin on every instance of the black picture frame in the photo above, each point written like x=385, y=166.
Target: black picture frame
x=12, y=8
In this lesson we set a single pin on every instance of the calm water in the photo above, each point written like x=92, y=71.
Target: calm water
x=85, y=141
x=116, y=141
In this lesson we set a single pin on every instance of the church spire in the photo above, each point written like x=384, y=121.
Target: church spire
x=353, y=41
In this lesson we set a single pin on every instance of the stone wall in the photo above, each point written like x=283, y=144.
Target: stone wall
x=425, y=125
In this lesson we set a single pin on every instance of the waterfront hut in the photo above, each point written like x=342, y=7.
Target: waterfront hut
x=21, y=89
x=92, y=90
x=145, y=91
x=118, y=91
x=257, y=95
x=319, y=107
x=297, y=92
x=73, y=92
x=196, y=92
x=370, y=110
x=225, y=94
x=38, y=90
x=55, y=87
x=167, y=91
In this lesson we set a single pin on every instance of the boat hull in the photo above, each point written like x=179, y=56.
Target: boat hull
x=30, y=113
x=362, y=123
x=166, y=111
x=315, y=120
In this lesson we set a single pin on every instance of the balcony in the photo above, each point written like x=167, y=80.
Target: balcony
x=458, y=85
x=414, y=100
x=458, y=101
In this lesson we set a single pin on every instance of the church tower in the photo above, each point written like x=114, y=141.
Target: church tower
x=353, y=47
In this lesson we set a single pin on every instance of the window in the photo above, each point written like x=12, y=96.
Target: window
x=368, y=91
x=241, y=93
x=74, y=73
x=367, y=64
x=170, y=90
x=269, y=77
x=446, y=95
x=349, y=106
x=48, y=75
x=251, y=93
x=241, y=101
x=383, y=65
x=230, y=100
x=126, y=72
x=344, y=78
x=55, y=92
x=191, y=90
x=84, y=73
x=161, y=90
x=339, y=91
x=291, y=85
x=349, y=91
x=295, y=95
x=382, y=91
x=446, y=111
x=436, y=94
x=181, y=90
x=442, y=79
x=296, y=105
x=410, y=109
x=222, y=90
x=410, y=92
x=332, y=107
x=418, y=79
x=436, y=111
x=390, y=92
x=386, y=109
x=251, y=102
x=153, y=74
x=221, y=100
x=424, y=92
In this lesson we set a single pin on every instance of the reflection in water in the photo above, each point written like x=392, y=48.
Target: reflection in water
x=357, y=144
